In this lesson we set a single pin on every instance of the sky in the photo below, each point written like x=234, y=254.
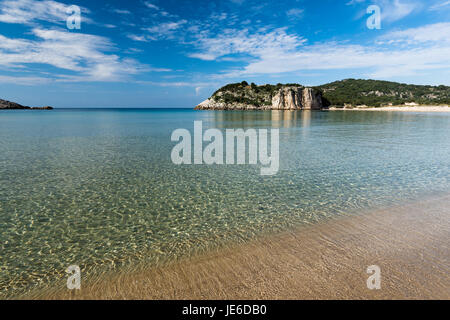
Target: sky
x=156, y=53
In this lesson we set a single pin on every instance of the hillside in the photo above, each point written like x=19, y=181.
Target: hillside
x=377, y=93
x=373, y=93
x=242, y=96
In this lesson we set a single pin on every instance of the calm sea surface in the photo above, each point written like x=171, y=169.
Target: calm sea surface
x=97, y=188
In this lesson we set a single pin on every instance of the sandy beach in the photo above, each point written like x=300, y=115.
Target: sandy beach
x=410, y=243
x=397, y=108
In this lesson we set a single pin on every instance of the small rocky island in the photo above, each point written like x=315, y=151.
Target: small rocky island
x=8, y=105
x=347, y=93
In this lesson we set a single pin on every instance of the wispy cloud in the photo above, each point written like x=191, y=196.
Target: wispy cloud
x=391, y=10
x=76, y=56
x=401, y=52
x=165, y=30
x=151, y=5
x=295, y=13
x=121, y=11
x=396, y=9
x=25, y=81
x=141, y=38
x=30, y=11
x=81, y=54
x=433, y=33
x=441, y=5
x=262, y=43
x=377, y=63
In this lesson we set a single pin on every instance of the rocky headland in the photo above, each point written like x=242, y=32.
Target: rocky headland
x=347, y=94
x=242, y=96
x=8, y=105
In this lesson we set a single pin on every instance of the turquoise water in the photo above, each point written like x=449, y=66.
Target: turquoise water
x=97, y=188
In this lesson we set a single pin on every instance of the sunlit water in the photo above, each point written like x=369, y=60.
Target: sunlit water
x=97, y=188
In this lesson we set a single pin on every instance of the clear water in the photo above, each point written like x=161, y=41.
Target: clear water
x=97, y=188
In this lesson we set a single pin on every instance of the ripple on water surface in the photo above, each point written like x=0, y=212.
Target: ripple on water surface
x=98, y=189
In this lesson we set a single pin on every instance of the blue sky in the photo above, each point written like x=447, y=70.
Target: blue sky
x=176, y=53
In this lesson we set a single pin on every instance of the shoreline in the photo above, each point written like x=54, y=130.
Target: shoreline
x=423, y=108
x=327, y=260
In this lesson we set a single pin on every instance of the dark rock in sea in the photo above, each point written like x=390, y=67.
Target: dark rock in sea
x=43, y=108
x=11, y=105
x=8, y=105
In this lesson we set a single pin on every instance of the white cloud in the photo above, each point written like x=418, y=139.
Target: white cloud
x=27, y=81
x=30, y=11
x=352, y=2
x=77, y=56
x=295, y=13
x=396, y=9
x=81, y=54
x=242, y=42
x=438, y=32
x=151, y=5
x=121, y=11
x=377, y=62
x=440, y=5
x=277, y=52
x=165, y=30
x=391, y=10
x=137, y=38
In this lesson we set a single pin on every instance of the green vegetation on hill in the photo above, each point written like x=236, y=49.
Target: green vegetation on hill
x=377, y=93
x=250, y=94
x=354, y=92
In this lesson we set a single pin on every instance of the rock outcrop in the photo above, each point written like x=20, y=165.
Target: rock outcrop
x=8, y=105
x=287, y=99
x=297, y=99
x=348, y=92
x=242, y=96
x=312, y=99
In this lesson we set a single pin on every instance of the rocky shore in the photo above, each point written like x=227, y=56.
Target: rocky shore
x=343, y=94
x=8, y=105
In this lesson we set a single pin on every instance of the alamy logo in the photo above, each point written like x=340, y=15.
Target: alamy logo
x=213, y=153
x=74, y=19
x=74, y=279
x=374, y=281
x=374, y=21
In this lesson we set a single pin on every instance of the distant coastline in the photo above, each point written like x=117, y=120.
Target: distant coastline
x=345, y=94
x=402, y=108
x=8, y=105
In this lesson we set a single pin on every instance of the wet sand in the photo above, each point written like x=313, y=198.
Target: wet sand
x=410, y=243
x=398, y=108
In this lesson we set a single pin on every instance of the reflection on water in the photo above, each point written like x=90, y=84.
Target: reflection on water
x=97, y=188
x=273, y=118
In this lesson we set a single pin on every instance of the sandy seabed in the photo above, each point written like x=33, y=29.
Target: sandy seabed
x=328, y=260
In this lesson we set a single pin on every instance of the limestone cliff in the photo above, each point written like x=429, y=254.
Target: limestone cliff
x=312, y=99
x=296, y=99
x=241, y=96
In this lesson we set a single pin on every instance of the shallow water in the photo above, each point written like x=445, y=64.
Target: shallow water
x=97, y=188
